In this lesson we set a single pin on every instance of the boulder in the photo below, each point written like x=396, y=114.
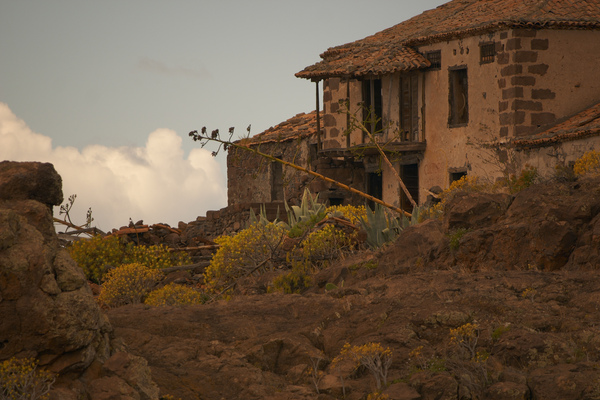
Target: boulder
x=475, y=210
x=48, y=309
x=30, y=181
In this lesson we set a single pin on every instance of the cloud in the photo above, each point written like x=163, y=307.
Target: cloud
x=158, y=67
x=156, y=183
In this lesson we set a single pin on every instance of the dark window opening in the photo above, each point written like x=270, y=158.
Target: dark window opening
x=336, y=201
x=456, y=176
x=458, y=97
x=435, y=58
x=487, y=53
x=409, y=108
x=373, y=105
x=276, y=181
x=410, y=176
x=374, y=187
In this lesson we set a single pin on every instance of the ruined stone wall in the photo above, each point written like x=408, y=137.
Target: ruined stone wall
x=345, y=171
x=254, y=179
x=231, y=219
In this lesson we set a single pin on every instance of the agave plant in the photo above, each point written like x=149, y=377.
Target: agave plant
x=262, y=218
x=380, y=226
x=303, y=217
x=414, y=218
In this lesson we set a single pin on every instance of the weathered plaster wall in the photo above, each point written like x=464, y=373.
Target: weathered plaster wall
x=545, y=159
x=537, y=77
x=454, y=149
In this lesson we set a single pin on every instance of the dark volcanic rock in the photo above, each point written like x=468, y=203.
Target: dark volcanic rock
x=30, y=181
x=47, y=310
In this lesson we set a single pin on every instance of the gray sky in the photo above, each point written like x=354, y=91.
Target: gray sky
x=109, y=73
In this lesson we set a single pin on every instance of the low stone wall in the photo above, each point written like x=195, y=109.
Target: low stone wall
x=231, y=219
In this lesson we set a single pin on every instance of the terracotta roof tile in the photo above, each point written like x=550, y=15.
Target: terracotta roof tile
x=299, y=126
x=389, y=50
x=583, y=124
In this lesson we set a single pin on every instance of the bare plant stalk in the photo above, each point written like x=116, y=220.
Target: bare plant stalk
x=363, y=128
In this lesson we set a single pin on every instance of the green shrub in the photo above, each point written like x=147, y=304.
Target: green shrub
x=21, y=380
x=455, y=237
x=175, y=295
x=588, y=163
x=250, y=249
x=295, y=281
x=526, y=178
x=128, y=284
x=96, y=255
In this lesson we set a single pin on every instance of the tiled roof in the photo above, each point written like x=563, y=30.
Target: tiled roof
x=584, y=124
x=300, y=126
x=390, y=50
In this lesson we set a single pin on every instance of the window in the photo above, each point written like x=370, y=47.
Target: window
x=374, y=187
x=435, y=58
x=409, y=108
x=373, y=107
x=410, y=176
x=458, y=97
x=457, y=175
x=276, y=181
x=336, y=201
x=487, y=52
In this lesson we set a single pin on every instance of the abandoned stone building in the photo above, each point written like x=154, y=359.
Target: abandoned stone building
x=473, y=87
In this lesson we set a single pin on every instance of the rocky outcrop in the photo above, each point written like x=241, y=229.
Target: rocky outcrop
x=549, y=226
x=46, y=306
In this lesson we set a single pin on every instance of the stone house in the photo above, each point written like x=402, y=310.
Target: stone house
x=473, y=87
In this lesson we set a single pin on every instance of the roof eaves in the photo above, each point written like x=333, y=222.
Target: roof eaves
x=457, y=34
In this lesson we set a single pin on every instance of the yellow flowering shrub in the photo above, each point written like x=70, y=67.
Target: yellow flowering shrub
x=351, y=213
x=588, y=163
x=21, y=380
x=466, y=337
x=250, y=249
x=327, y=242
x=175, y=295
x=97, y=254
x=372, y=356
x=128, y=284
x=156, y=256
x=466, y=183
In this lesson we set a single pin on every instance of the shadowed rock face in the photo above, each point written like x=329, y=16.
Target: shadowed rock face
x=46, y=306
x=30, y=181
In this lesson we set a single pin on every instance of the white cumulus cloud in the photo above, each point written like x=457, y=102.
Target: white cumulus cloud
x=156, y=183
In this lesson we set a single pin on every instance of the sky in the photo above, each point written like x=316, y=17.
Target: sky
x=107, y=91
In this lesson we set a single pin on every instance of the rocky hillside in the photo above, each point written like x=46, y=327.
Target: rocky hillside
x=499, y=301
